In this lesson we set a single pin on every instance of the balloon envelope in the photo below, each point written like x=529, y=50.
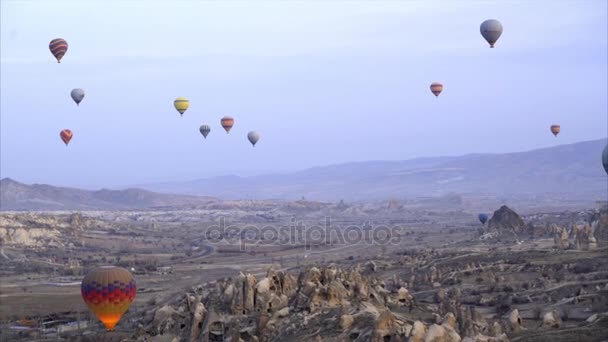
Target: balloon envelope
x=227, y=122
x=108, y=291
x=555, y=129
x=605, y=158
x=58, y=47
x=483, y=218
x=66, y=136
x=491, y=30
x=77, y=95
x=436, y=88
x=205, y=129
x=253, y=137
x=181, y=104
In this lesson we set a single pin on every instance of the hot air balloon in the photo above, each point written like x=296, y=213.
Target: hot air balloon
x=483, y=218
x=253, y=137
x=436, y=88
x=227, y=123
x=555, y=129
x=66, y=136
x=181, y=104
x=58, y=48
x=605, y=158
x=491, y=30
x=108, y=292
x=205, y=129
x=77, y=95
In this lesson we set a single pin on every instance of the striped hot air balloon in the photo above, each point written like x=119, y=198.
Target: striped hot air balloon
x=491, y=30
x=555, y=129
x=205, y=129
x=58, y=47
x=66, y=136
x=181, y=104
x=436, y=88
x=227, y=122
x=108, y=291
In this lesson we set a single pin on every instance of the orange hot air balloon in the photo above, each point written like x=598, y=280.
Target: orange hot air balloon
x=436, y=88
x=227, y=123
x=555, y=129
x=108, y=291
x=66, y=136
x=58, y=47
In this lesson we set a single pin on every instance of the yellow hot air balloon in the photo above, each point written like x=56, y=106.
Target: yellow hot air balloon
x=181, y=104
x=555, y=129
x=108, y=291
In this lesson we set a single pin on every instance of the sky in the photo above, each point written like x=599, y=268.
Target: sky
x=323, y=82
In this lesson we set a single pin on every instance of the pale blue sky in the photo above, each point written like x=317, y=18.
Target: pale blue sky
x=324, y=82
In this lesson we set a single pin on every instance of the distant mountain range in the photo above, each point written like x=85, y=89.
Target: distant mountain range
x=568, y=170
x=556, y=175
x=19, y=196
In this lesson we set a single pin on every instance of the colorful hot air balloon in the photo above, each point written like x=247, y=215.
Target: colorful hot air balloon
x=66, y=136
x=181, y=104
x=605, y=158
x=108, y=291
x=436, y=88
x=227, y=122
x=77, y=95
x=58, y=48
x=483, y=218
x=555, y=129
x=253, y=137
x=205, y=129
x=491, y=30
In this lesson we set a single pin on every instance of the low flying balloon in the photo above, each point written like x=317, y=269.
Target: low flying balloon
x=66, y=136
x=108, y=291
x=77, y=95
x=227, y=122
x=483, y=218
x=491, y=30
x=436, y=88
x=205, y=129
x=253, y=137
x=58, y=47
x=181, y=104
x=555, y=129
x=605, y=158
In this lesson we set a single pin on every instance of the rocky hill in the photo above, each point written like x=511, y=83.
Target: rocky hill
x=570, y=172
x=18, y=196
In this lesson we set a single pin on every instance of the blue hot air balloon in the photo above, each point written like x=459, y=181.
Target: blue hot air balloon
x=483, y=218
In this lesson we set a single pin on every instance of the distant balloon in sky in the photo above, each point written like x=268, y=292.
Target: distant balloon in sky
x=253, y=137
x=77, y=95
x=205, y=129
x=108, y=291
x=181, y=104
x=58, y=47
x=491, y=30
x=605, y=158
x=436, y=88
x=483, y=218
x=66, y=136
x=555, y=129
x=227, y=122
